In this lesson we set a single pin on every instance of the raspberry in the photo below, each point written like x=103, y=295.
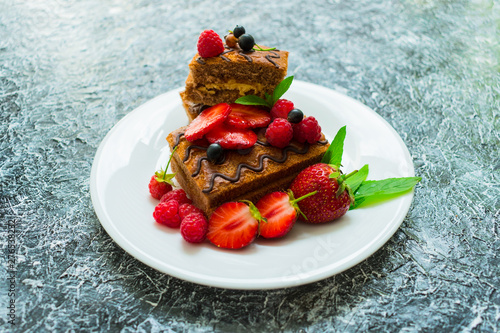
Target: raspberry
x=194, y=228
x=210, y=44
x=178, y=195
x=167, y=213
x=307, y=130
x=187, y=209
x=158, y=189
x=279, y=133
x=281, y=108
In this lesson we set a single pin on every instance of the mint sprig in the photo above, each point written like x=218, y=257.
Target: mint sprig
x=363, y=190
x=270, y=100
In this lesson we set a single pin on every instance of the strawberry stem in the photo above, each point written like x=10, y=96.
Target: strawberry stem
x=261, y=49
x=303, y=197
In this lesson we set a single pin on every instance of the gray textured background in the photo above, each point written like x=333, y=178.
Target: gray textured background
x=69, y=70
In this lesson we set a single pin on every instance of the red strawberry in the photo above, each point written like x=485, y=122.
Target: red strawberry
x=229, y=137
x=333, y=197
x=209, y=44
x=234, y=225
x=206, y=121
x=280, y=209
x=248, y=116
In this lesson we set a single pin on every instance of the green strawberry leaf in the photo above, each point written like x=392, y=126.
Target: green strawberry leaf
x=252, y=100
x=372, y=188
x=333, y=154
x=281, y=88
x=355, y=181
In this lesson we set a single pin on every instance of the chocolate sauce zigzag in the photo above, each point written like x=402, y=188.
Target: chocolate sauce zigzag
x=237, y=177
x=244, y=55
x=259, y=168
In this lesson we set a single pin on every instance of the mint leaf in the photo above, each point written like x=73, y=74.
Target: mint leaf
x=281, y=88
x=269, y=100
x=333, y=154
x=252, y=100
x=371, y=188
x=355, y=180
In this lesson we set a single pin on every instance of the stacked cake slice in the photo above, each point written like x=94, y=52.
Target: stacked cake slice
x=230, y=75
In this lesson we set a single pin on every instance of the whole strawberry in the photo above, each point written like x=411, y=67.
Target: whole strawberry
x=333, y=197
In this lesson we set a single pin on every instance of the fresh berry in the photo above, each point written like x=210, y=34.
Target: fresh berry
x=178, y=195
x=281, y=108
x=280, y=209
x=248, y=116
x=210, y=44
x=238, y=31
x=295, y=116
x=232, y=138
x=246, y=42
x=158, y=188
x=333, y=197
x=167, y=213
x=215, y=153
x=186, y=209
x=207, y=120
x=279, y=133
x=234, y=225
x=231, y=41
x=161, y=182
x=194, y=228
x=307, y=130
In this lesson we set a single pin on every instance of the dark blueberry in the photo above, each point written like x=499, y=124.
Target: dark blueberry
x=215, y=153
x=238, y=31
x=246, y=42
x=295, y=116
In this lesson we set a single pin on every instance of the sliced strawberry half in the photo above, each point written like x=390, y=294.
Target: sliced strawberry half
x=280, y=209
x=231, y=138
x=233, y=225
x=248, y=116
x=206, y=121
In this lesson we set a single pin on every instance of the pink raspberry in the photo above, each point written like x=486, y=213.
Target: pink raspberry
x=281, y=108
x=307, y=130
x=194, y=228
x=187, y=209
x=210, y=44
x=167, y=213
x=178, y=195
x=279, y=133
x=158, y=189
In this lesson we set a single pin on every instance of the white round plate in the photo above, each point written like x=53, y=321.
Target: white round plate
x=136, y=147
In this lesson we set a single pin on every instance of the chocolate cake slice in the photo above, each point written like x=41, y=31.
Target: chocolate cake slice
x=230, y=75
x=242, y=174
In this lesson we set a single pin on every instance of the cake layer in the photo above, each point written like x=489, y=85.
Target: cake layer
x=245, y=174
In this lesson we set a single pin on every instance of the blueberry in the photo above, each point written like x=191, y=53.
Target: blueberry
x=295, y=116
x=215, y=153
x=246, y=42
x=238, y=31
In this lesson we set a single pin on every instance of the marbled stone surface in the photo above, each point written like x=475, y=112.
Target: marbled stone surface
x=70, y=70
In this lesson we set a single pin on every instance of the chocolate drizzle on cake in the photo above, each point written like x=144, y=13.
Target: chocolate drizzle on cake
x=244, y=54
x=284, y=156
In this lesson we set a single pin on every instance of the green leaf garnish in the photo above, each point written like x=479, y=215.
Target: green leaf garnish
x=270, y=100
x=162, y=176
x=282, y=88
x=355, y=181
x=333, y=154
x=370, y=188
